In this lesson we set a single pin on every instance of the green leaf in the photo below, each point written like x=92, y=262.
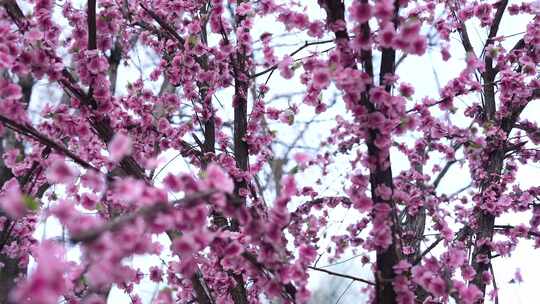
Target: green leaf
x=192, y=40
x=474, y=145
x=83, y=280
x=294, y=170
x=30, y=203
x=296, y=65
x=333, y=67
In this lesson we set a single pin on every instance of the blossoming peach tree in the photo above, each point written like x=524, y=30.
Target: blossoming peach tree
x=88, y=157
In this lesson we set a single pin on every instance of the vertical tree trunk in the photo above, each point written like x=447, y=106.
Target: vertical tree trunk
x=381, y=174
x=8, y=275
x=241, y=154
x=485, y=221
x=9, y=270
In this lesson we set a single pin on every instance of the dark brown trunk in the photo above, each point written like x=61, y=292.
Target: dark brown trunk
x=485, y=221
x=381, y=174
x=241, y=153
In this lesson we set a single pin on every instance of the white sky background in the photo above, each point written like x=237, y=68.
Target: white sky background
x=418, y=71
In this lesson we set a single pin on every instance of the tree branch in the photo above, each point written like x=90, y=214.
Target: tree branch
x=146, y=212
x=33, y=133
x=305, y=45
x=342, y=275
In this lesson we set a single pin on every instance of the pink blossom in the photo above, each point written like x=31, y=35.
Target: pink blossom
x=6, y=61
x=468, y=272
x=164, y=296
x=410, y=29
x=60, y=172
x=307, y=254
x=64, y=211
x=243, y=9
x=11, y=199
x=128, y=189
x=468, y=294
x=288, y=186
x=151, y=163
x=360, y=12
x=316, y=29
x=384, y=192
x=418, y=46
x=387, y=35
x=287, y=117
x=155, y=274
x=363, y=203
x=456, y=257
x=89, y=201
x=437, y=286
x=186, y=245
x=406, y=89
x=302, y=158
x=119, y=147
x=445, y=54
x=483, y=11
x=173, y=183
x=163, y=125
x=9, y=91
x=94, y=299
x=517, y=276
x=93, y=180
x=47, y=283
x=218, y=179
x=384, y=9
x=285, y=67
x=402, y=266
x=321, y=78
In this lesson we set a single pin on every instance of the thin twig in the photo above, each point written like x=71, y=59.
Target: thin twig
x=305, y=45
x=428, y=250
x=342, y=275
x=494, y=283
x=344, y=292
